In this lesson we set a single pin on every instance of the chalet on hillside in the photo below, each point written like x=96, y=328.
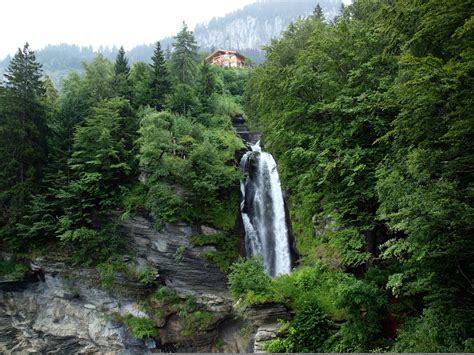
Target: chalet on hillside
x=227, y=58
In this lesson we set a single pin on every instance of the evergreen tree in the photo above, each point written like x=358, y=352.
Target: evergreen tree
x=100, y=163
x=121, y=75
x=160, y=83
x=141, y=76
x=121, y=63
x=23, y=137
x=318, y=13
x=184, y=57
x=207, y=84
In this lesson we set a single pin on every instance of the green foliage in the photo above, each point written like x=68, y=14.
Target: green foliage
x=225, y=105
x=90, y=246
x=23, y=140
x=106, y=274
x=166, y=296
x=97, y=84
x=179, y=254
x=140, y=327
x=248, y=279
x=365, y=306
x=308, y=331
x=319, y=296
x=160, y=85
x=435, y=331
x=196, y=321
x=191, y=171
x=134, y=200
x=226, y=246
x=184, y=57
x=121, y=75
x=141, y=75
x=370, y=120
x=11, y=269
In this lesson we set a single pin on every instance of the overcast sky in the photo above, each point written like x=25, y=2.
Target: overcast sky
x=102, y=22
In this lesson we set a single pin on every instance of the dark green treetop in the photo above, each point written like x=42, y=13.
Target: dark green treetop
x=160, y=83
x=318, y=13
x=184, y=57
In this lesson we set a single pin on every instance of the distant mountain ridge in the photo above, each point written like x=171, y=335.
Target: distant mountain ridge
x=245, y=30
x=257, y=24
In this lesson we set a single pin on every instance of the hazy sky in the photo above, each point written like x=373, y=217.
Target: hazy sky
x=102, y=22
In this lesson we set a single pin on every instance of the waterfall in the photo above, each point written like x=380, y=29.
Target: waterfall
x=263, y=212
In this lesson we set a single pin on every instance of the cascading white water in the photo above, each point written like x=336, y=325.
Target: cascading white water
x=263, y=212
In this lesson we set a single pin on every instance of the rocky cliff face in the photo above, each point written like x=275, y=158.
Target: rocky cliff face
x=64, y=309
x=257, y=24
x=63, y=312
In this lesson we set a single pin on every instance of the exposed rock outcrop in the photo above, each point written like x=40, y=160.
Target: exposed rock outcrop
x=179, y=263
x=63, y=313
x=264, y=319
x=66, y=311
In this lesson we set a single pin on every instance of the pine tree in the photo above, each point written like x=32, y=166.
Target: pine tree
x=207, y=83
x=318, y=13
x=23, y=137
x=121, y=75
x=121, y=63
x=184, y=57
x=160, y=84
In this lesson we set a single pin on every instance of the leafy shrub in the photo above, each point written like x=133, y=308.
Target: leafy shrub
x=248, y=277
x=165, y=204
x=148, y=274
x=437, y=330
x=312, y=327
x=140, y=327
x=307, y=332
x=365, y=305
x=91, y=246
x=134, y=200
x=166, y=296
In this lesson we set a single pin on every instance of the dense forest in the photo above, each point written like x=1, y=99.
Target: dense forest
x=370, y=118
x=71, y=158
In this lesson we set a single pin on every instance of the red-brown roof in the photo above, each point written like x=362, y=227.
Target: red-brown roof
x=219, y=52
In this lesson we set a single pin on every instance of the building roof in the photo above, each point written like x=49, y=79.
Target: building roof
x=219, y=52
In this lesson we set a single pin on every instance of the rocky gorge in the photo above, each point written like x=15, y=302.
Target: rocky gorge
x=58, y=308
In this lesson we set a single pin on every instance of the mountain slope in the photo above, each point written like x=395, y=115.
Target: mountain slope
x=257, y=24
x=246, y=30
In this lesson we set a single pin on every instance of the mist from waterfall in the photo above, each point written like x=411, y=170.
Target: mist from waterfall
x=263, y=212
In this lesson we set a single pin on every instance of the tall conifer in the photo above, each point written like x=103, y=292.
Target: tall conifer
x=121, y=75
x=23, y=133
x=160, y=83
x=184, y=57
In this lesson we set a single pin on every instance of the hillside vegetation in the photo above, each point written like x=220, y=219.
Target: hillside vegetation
x=71, y=158
x=371, y=121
